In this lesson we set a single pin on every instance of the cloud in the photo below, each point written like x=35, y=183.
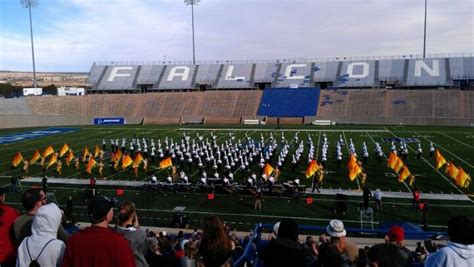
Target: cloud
x=80, y=32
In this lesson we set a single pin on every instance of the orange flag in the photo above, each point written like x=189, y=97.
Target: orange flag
x=52, y=160
x=85, y=154
x=17, y=159
x=354, y=172
x=312, y=168
x=117, y=156
x=268, y=170
x=165, y=163
x=63, y=150
x=90, y=165
x=452, y=170
x=36, y=156
x=70, y=156
x=398, y=165
x=96, y=151
x=392, y=159
x=138, y=159
x=440, y=160
x=405, y=173
x=48, y=151
x=352, y=162
x=126, y=161
x=463, y=179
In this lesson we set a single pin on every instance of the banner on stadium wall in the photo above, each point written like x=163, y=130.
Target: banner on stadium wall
x=100, y=121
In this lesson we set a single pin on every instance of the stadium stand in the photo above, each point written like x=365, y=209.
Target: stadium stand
x=285, y=102
x=396, y=72
x=15, y=106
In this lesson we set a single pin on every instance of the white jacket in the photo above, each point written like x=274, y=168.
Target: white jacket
x=44, y=228
x=453, y=254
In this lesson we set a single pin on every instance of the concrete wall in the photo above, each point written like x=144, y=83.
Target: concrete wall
x=20, y=121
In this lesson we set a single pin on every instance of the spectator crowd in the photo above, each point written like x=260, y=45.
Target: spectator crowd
x=38, y=238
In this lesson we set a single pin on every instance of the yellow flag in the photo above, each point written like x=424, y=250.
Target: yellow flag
x=354, y=172
x=126, y=161
x=398, y=165
x=70, y=156
x=440, y=160
x=392, y=159
x=48, y=151
x=452, y=170
x=312, y=168
x=36, y=156
x=352, y=162
x=138, y=159
x=165, y=163
x=52, y=160
x=63, y=150
x=405, y=173
x=17, y=159
x=268, y=170
x=90, y=165
x=96, y=151
x=463, y=179
x=85, y=154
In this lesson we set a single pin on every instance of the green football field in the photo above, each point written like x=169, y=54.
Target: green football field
x=455, y=143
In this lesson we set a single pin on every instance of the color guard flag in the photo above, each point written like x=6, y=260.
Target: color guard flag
x=96, y=151
x=52, y=160
x=392, y=159
x=354, y=172
x=138, y=159
x=312, y=168
x=36, y=156
x=268, y=170
x=452, y=170
x=165, y=163
x=48, y=151
x=63, y=150
x=398, y=165
x=90, y=165
x=352, y=162
x=70, y=156
x=126, y=161
x=85, y=154
x=463, y=179
x=17, y=159
x=440, y=160
x=405, y=173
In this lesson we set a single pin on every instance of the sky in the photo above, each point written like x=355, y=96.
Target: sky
x=69, y=35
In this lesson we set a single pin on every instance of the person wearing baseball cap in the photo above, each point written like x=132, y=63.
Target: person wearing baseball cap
x=98, y=245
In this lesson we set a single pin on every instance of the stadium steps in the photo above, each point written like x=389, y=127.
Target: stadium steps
x=219, y=74
x=277, y=74
x=193, y=80
x=134, y=83
x=449, y=80
x=376, y=74
x=386, y=194
x=102, y=76
x=339, y=70
x=252, y=76
x=311, y=77
x=160, y=78
x=405, y=72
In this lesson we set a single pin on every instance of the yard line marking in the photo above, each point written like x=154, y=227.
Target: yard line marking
x=284, y=130
x=317, y=149
x=456, y=140
x=447, y=151
x=404, y=183
x=442, y=175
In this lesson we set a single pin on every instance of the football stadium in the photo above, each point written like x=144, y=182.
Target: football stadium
x=355, y=151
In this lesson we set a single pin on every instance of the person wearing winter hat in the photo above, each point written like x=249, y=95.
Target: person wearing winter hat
x=285, y=250
x=98, y=245
x=42, y=245
x=460, y=248
x=393, y=251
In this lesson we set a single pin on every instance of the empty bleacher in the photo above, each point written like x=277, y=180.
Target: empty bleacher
x=286, y=102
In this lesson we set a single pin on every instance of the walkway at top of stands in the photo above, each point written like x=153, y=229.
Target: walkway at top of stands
x=299, y=60
x=385, y=194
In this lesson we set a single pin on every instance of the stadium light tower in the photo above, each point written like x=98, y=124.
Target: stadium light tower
x=192, y=3
x=29, y=4
x=424, y=32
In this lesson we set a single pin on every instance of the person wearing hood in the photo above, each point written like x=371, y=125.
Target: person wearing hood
x=128, y=226
x=460, y=248
x=42, y=245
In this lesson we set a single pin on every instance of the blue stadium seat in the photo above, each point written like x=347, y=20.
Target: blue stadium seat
x=286, y=102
